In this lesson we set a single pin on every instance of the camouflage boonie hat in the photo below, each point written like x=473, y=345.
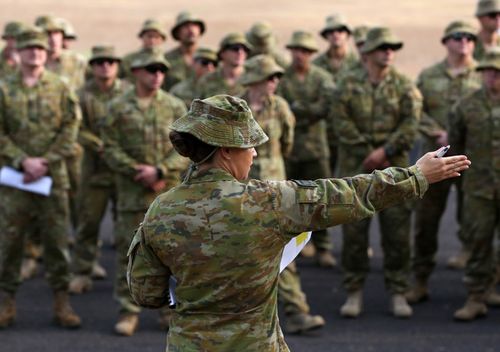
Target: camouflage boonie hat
x=304, y=40
x=491, y=60
x=222, y=121
x=50, y=23
x=259, y=33
x=12, y=29
x=103, y=52
x=485, y=7
x=259, y=68
x=378, y=36
x=32, y=36
x=206, y=53
x=458, y=27
x=152, y=25
x=150, y=57
x=183, y=18
x=233, y=39
x=359, y=34
x=69, y=30
x=334, y=22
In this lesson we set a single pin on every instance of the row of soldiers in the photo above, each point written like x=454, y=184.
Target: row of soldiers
x=342, y=113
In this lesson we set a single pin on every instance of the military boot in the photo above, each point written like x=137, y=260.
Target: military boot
x=7, y=309
x=474, y=308
x=418, y=293
x=64, y=314
x=399, y=307
x=127, y=324
x=308, y=251
x=98, y=272
x=493, y=299
x=80, y=284
x=302, y=322
x=353, y=306
x=325, y=259
x=458, y=261
x=29, y=268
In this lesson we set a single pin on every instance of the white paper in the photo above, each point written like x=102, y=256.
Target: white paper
x=12, y=178
x=293, y=248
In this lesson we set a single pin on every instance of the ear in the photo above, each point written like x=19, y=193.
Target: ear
x=225, y=153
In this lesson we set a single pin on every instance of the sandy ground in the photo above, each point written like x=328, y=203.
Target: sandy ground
x=419, y=23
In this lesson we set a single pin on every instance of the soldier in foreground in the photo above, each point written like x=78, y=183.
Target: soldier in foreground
x=39, y=118
x=227, y=261
x=488, y=15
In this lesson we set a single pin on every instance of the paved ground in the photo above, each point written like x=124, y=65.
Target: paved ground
x=431, y=328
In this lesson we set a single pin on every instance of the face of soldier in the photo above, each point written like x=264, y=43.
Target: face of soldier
x=490, y=22
x=150, y=78
x=203, y=66
x=68, y=43
x=10, y=43
x=382, y=57
x=55, y=41
x=460, y=44
x=301, y=57
x=104, y=68
x=240, y=161
x=338, y=38
x=189, y=33
x=33, y=56
x=491, y=80
x=151, y=39
x=234, y=55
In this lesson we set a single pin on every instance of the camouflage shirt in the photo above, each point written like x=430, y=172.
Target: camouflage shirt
x=38, y=121
x=309, y=100
x=222, y=240
x=350, y=61
x=186, y=90
x=475, y=131
x=5, y=68
x=441, y=90
x=213, y=83
x=133, y=135
x=278, y=123
x=93, y=103
x=368, y=117
x=280, y=59
x=71, y=67
x=179, y=71
x=480, y=49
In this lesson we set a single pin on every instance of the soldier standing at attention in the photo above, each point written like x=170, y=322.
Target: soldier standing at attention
x=488, y=15
x=70, y=36
x=9, y=58
x=187, y=31
x=377, y=110
x=39, y=119
x=138, y=150
x=308, y=89
x=233, y=51
x=205, y=61
x=263, y=41
x=475, y=128
x=441, y=85
x=97, y=186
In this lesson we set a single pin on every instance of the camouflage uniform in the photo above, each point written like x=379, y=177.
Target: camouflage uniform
x=480, y=50
x=263, y=41
x=350, y=62
x=367, y=118
x=11, y=30
x=180, y=69
x=97, y=186
x=214, y=83
x=135, y=136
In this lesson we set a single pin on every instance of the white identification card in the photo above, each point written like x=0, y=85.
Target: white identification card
x=12, y=178
x=293, y=248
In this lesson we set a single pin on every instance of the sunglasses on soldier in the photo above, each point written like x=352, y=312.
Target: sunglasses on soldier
x=493, y=15
x=385, y=47
x=461, y=36
x=236, y=47
x=155, y=68
x=102, y=61
x=206, y=62
x=274, y=77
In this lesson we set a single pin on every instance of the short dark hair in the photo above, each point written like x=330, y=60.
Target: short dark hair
x=191, y=147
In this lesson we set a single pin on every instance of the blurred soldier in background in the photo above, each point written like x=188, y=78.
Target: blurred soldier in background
x=9, y=58
x=263, y=41
x=69, y=34
x=488, y=15
x=359, y=36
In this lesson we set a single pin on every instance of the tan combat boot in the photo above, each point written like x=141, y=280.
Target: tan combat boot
x=399, y=307
x=7, y=309
x=127, y=324
x=493, y=299
x=302, y=322
x=98, y=272
x=353, y=306
x=80, y=284
x=29, y=268
x=418, y=293
x=325, y=259
x=474, y=308
x=64, y=315
x=308, y=251
x=458, y=261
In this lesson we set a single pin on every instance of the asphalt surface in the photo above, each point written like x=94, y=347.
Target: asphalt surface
x=431, y=328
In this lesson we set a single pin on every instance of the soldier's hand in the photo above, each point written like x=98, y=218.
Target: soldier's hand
x=146, y=174
x=34, y=168
x=439, y=169
x=375, y=160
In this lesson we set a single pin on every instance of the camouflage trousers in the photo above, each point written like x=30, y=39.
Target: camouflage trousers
x=290, y=293
x=481, y=218
x=312, y=170
x=17, y=210
x=92, y=201
x=395, y=236
x=74, y=167
x=428, y=215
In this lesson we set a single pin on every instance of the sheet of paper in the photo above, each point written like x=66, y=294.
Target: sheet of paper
x=293, y=248
x=12, y=178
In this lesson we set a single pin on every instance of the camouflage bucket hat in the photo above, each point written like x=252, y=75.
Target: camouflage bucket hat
x=103, y=52
x=260, y=33
x=206, y=53
x=379, y=36
x=490, y=60
x=183, y=18
x=485, y=7
x=303, y=40
x=233, y=39
x=334, y=22
x=150, y=57
x=50, y=23
x=12, y=29
x=222, y=121
x=458, y=27
x=259, y=68
x=69, y=30
x=30, y=37
x=152, y=25
x=359, y=34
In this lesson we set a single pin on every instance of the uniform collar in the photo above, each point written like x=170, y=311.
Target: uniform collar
x=211, y=175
